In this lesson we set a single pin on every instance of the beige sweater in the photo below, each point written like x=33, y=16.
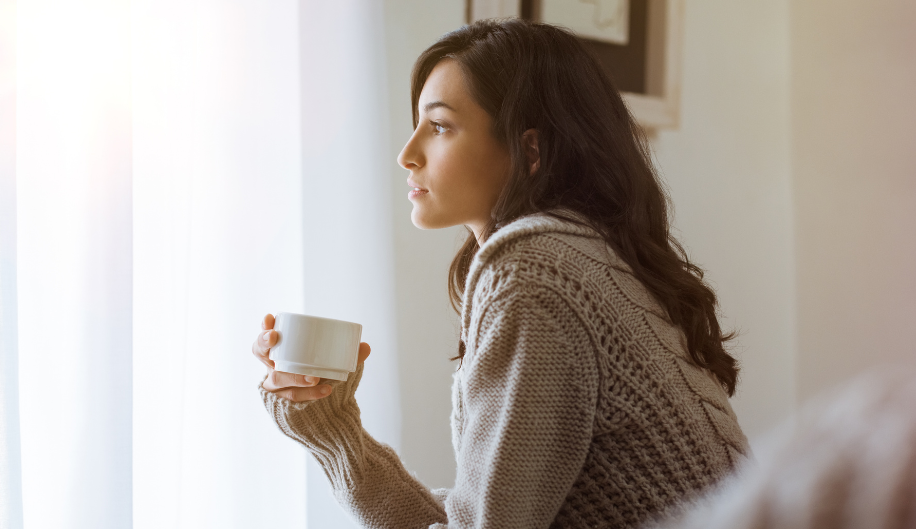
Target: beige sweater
x=576, y=405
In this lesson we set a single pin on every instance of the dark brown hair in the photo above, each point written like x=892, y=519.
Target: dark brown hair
x=594, y=160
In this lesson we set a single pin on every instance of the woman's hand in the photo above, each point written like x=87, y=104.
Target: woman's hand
x=292, y=386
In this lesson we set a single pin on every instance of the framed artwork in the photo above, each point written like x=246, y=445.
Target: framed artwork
x=600, y=20
x=638, y=42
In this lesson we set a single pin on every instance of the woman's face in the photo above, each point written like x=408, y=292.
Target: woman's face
x=454, y=160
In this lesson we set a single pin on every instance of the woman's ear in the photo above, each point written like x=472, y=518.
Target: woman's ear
x=532, y=153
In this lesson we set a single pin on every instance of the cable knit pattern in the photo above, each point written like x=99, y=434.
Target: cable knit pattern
x=576, y=405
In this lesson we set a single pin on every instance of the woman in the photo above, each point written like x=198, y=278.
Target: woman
x=592, y=385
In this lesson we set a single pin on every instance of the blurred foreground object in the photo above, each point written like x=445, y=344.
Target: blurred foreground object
x=846, y=460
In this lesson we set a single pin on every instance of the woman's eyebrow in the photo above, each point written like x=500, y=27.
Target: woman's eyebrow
x=436, y=104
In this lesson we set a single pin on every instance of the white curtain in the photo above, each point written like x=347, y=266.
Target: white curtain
x=73, y=185
x=181, y=169
x=10, y=455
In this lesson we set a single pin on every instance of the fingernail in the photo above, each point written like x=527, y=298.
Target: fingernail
x=267, y=337
x=325, y=390
x=312, y=380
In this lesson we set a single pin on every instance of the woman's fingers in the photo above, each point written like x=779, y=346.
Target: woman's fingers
x=304, y=394
x=277, y=380
x=261, y=346
x=297, y=388
x=364, y=351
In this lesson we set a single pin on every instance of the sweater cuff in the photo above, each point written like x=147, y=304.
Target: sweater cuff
x=330, y=427
x=344, y=391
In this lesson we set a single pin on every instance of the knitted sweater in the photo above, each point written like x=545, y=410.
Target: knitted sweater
x=576, y=404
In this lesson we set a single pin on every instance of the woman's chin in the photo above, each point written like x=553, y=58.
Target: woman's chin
x=423, y=220
x=419, y=219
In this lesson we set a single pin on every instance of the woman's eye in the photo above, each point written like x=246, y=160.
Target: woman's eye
x=437, y=128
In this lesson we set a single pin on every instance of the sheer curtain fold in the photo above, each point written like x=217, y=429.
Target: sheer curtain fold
x=73, y=185
x=181, y=169
x=10, y=453
x=217, y=208
x=347, y=205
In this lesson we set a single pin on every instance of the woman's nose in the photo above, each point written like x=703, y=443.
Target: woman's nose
x=410, y=157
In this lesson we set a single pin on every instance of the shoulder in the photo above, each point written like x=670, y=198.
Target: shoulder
x=541, y=253
x=519, y=303
x=542, y=249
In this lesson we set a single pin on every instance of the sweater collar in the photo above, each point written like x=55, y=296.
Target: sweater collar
x=540, y=222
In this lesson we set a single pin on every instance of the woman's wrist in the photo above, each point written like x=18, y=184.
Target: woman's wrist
x=342, y=394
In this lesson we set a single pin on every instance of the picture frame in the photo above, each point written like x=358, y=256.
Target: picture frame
x=656, y=103
x=600, y=20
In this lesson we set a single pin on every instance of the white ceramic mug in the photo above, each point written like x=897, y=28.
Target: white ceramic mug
x=314, y=346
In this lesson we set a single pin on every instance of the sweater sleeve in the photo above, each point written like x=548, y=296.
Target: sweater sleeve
x=367, y=476
x=529, y=395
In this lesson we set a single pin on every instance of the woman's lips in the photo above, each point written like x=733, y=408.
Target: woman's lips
x=416, y=192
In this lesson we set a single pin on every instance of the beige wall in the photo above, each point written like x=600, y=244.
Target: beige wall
x=427, y=328
x=854, y=172
x=794, y=163
x=728, y=166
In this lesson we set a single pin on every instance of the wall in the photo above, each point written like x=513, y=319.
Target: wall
x=854, y=169
x=427, y=328
x=728, y=167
